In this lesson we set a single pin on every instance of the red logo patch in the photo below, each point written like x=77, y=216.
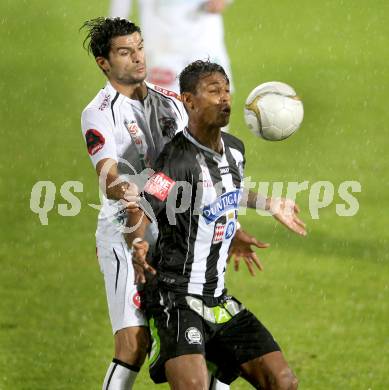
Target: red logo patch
x=135, y=132
x=136, y=300
x=94, y=141
x=159, y=185
x=132, y=128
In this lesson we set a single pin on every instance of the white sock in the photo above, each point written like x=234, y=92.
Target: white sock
x=120, y=376
x=215, y=384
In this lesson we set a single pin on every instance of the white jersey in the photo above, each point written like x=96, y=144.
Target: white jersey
x=176, y=33
x=131, y=132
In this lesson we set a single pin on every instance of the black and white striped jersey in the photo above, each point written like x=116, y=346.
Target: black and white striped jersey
x=194, y=195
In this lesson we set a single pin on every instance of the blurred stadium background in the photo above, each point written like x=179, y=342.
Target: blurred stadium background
x=324, y=297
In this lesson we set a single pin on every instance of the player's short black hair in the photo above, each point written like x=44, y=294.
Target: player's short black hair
x=102, y=30
x=192, y=74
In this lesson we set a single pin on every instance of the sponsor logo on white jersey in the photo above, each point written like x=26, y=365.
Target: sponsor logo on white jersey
x=105, y=103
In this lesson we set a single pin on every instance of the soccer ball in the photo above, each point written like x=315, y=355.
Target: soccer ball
x=273, y=111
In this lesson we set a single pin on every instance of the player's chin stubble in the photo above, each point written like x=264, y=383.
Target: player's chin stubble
x=129, y=80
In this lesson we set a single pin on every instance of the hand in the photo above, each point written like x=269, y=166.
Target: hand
x=139, y=252
x=241, y=249
x=131, y=198
x=215, y=6
x=285, y=211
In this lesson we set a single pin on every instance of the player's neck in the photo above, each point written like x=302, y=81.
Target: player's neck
x=136, y=91
x=209, y=137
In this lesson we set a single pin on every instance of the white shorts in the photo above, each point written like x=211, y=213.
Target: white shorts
x=122, y=294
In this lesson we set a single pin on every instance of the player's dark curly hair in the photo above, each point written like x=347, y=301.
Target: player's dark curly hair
x=102, y=30
x=191, y=75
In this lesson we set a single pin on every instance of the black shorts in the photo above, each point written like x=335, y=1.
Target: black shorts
x=229, y=340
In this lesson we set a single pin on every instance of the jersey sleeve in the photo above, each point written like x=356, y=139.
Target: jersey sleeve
x=176, y=105
x=98, y=135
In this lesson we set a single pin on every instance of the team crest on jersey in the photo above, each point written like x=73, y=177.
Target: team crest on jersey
x=193, y=336
x=168, y=126
x=225, y=231
x=94, y=141
x=159, y=185
x=230, y=229
x=224, y=203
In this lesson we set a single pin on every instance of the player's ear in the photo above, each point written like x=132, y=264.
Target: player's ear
x=103, y=64
x=187, y=99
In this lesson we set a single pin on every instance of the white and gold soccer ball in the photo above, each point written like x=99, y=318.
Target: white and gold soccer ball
x=273, y=111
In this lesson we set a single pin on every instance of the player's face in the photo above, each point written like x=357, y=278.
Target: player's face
x=126, y=62
x=212, y=100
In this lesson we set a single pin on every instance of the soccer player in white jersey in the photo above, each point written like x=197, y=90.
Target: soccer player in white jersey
x=177, y=32
x=111, y=126
x=125, y=127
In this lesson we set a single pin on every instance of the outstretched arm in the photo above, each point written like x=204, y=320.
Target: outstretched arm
x=283, y=210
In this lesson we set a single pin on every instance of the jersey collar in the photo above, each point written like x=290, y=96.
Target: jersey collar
x=113, y=92
x=214, y=154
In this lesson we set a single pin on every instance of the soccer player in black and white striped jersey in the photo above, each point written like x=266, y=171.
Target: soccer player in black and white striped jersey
x=129, y=121
x=194, y=195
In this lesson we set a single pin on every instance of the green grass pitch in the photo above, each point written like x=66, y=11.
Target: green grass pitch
x=324, y=297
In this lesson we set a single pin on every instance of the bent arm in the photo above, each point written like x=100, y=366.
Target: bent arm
x=137, y=223
x=113, y=186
